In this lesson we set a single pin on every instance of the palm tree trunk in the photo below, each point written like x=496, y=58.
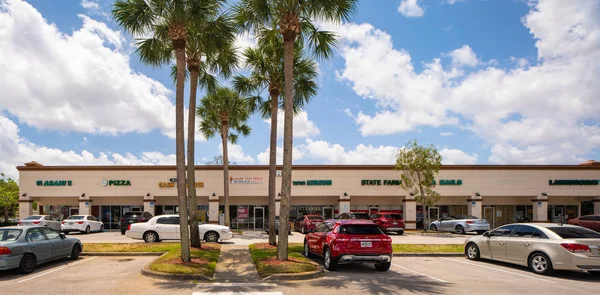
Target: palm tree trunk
x=273, y=168
x=224, y=135
x=286, y=182
x=180, y=149
x=191, y=165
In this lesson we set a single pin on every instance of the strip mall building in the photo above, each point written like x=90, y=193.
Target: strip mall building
x=500, y=194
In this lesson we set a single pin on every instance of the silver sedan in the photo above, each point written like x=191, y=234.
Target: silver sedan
x=460, y=224
x=543, y=247
x=24, y=247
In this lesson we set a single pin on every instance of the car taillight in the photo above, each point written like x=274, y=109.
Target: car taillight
x=63, y=222
x=129, y=226
x=469, y=222
x=387, y=240
x=4, y=250
x=79, y=222
x=36, y=222
x=19, y=223
x=576, y=248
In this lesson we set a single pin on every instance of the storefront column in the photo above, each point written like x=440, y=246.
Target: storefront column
x=344, y=203
x=149, y=204
x=85, y=205
x=410, y=212
x=474, y=207
x=540, y=208
x=277, y=204
x=596, y=205
x=213, y=209
x=25, y=207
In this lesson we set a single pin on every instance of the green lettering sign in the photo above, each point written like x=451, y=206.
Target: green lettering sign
x=449, y=182
x=574, y=182
x=313, y=182
x=380, y=182
x=54, y=183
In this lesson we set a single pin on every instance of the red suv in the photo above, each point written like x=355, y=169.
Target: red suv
x=589, y=221
x=308, y=222
x=345, y=241
x=389, y=222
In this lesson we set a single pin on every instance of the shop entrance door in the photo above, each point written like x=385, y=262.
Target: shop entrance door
x=74, y=211
x=434, y=213
x=259, y=218
x=488, y=214
x=327, y=213
x=557, y=214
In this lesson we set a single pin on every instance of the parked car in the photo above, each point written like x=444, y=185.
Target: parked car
x=543, y=247
x=82, y=223
x=389, y=222
x=345, y=241
x=277, y=227
x=24, y=247
x=588, y=221
x=166, y=227
x=41, y=220
x=308, y=222
x=354, y=215
x=133, y=217
x=460, y=224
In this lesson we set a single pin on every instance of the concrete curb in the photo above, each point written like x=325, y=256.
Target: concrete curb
x=146, y=271
x=121, y=253
x=431, y=254
x=309, y=275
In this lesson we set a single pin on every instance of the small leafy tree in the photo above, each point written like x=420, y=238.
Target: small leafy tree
x=218, y=160
x=418, y=165
x=9, y=196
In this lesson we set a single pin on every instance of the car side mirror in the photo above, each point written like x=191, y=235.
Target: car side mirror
x=486, y=234
x=62, y=236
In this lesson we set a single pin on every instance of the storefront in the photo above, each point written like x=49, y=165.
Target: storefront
x=500, y=194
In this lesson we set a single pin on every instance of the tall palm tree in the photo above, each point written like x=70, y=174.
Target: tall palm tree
x=266, y=64
x=169, y=20
x=222, y=111
x=294, y=20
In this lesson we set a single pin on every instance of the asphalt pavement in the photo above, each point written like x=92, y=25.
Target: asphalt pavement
x=121, y=275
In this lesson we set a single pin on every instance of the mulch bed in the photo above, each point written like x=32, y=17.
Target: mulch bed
x=263, y=246
x=274, y=261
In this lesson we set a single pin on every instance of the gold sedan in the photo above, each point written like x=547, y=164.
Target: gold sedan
x=543, y=247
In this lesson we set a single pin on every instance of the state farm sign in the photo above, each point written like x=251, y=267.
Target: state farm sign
x=246, y=179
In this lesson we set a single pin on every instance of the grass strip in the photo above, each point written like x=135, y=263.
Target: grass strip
x=265, y=259
x=420, y=248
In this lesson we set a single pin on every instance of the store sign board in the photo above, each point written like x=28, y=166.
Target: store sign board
x=54, y=183
x=242, y=213
x=574, y=182
x=449, y=182
x=246, y=179
x=105, y=182
x=313, y=182
x=380, y=182
x=172, y=184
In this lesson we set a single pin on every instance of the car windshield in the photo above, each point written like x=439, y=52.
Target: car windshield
x=360, y=215
x=9, y=235
x=575, y=232
x=392, y=216
x=466, y=217
x=76, y=217
x=356, y=229
x=315, y=218
x=33, y=217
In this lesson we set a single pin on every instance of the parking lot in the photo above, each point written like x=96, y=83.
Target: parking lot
x=121, y=275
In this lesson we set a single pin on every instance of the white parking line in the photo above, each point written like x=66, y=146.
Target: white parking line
x=237, y=293
x=236, y=284
x=496, y=269
x=60, y=268
x=421, y=274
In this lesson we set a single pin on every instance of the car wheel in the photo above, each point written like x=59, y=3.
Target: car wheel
x=123, y=231
x=385, y=266
x=87, y=230
x=306, y=250
x=75, y=252
x=433, y=227
x=540, y=264
x=150, y=237
x=211, y=237
x=459, y=230
x=330, y=262
x=27, y=264
x=594, y=273
x=472, y=252
x=400, y=232
x=102, y=228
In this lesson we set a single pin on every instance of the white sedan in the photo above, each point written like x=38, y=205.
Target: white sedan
x=82, y=224
x=166, y=227
x=41, y=220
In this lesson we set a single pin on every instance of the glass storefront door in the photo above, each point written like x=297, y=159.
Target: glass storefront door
x=434, y=213
x=259, y=218
x=488, y=214
x=327, y=213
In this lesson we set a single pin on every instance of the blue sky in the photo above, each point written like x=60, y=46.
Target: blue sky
x=486, y=82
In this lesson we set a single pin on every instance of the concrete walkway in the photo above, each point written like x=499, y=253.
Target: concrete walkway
x=235, y=265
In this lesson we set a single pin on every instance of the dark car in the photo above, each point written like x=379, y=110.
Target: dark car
x=277, y=227
x=133, y=217
x=354, y=215
x=389, y=222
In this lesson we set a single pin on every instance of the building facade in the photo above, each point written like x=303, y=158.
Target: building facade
x=499, y=193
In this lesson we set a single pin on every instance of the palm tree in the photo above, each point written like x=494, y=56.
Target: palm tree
x=294, y=20
x=221, y=111
x=266, y=64
x=169, y=20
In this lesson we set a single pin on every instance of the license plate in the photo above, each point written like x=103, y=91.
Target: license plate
x=395, y=223
x=366, y=244
x=70, y=223
x=130, y=221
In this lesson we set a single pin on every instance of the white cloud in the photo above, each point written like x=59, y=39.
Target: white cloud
x=446, y=133
x=236, y=154
x=547, y=111
x=16, y=151
x=464, y=56
x=411, y=8
x=451, y=2
x=303, y=127
x=336, y=154
x=87, y=4
x=455, y=156
x=263, y=158
x=78, y=82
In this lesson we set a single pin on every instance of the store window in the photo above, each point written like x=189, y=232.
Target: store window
x=562, y=213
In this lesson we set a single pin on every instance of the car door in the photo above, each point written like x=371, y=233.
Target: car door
x=596, y=223
x=316, y=238
x=497, y=241
x=520, y=243
x=39, y=244
x=60, y=247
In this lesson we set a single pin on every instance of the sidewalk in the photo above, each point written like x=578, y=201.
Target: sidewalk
x=235, y=265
